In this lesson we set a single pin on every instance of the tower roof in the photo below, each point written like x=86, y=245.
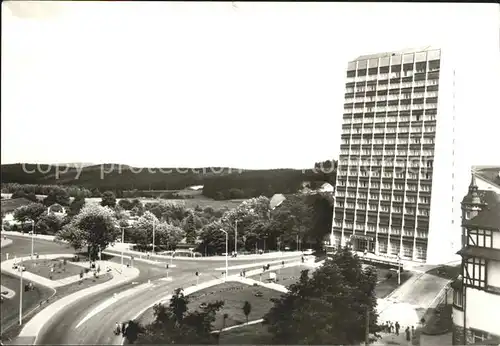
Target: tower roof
x=488, y=218
x=472, y=196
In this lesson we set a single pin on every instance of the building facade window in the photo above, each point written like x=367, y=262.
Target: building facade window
x=480, y=237
x=458, y=298
x=475, y=272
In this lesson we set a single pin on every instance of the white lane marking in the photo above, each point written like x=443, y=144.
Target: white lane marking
x=111, y=301
x=254, y=265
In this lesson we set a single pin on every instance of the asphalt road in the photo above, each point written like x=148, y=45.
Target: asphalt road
x=21, y=246
x=61, y=329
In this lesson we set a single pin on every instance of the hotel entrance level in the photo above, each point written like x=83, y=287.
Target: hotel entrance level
x=362, y=243
x=409, y=249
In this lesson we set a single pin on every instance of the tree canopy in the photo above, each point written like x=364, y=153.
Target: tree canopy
x=30, y=212
x=329, y=307
x=108, y=199
x=174, y=324
x=94, y=227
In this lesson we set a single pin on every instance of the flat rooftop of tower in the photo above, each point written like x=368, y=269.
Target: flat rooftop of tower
x=396, y=52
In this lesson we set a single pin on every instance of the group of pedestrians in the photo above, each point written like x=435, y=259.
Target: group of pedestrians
x=390, y=327
x=120, y=329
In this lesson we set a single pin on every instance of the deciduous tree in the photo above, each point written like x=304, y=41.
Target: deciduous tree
x=328, y=308
x=174, y=324
x=95, y=227
x=32, y=211
x=108, y=199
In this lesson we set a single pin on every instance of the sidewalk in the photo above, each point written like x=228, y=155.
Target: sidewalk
x=6, y=267
x=118, y=248
x=260, y=264
x=37, y=236
x=10, y=293
x=34, y=326
x=126, y=259
x=271, y=285
x=409, y=303
x=4, y=243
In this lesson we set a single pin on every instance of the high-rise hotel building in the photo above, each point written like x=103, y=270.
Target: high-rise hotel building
x=397, y=190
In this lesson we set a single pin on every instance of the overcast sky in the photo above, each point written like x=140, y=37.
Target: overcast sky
x=258, y=85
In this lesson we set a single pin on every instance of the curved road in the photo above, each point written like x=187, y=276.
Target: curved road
x=98, y=329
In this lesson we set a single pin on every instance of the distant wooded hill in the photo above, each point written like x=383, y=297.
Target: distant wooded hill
x=218, y=182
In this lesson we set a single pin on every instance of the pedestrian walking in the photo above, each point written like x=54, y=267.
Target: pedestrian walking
x=407, y=331
x=391, y=327
x=412, y=331
x=117, y=328
x=123, y=328
x=397, y=326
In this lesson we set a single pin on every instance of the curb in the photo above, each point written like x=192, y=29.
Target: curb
x=36, y=324
x=5, y=243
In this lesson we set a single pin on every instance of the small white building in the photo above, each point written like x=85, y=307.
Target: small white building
x=9, y=206
x=57, y=210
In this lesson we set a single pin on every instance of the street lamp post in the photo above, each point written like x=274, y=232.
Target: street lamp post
x=154, y=229
x=123, y=241
x=236, y=237
x=21, y=289
x=227, y=249
x=399, y=270
x=32, y=237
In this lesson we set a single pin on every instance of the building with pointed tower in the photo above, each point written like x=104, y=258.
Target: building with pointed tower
x=476, y=292
x=472, y=204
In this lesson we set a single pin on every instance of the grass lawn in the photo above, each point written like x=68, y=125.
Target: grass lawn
x=10, y=307
x=285, y=276
x=386, y=285
x=234, y=296
x=62, y=269
x=36, y=300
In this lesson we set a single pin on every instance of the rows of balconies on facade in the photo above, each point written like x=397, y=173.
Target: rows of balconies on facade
x=406, y=73
x=376, y=161
x=388, y=152
x=411, y=187
x=398, y=85
x=395, y=108
x=383, y=196
x=365, y=205
x=386, y=175
x=392, y=120
x=386, y=141
x=389, y=130
x=391, y=97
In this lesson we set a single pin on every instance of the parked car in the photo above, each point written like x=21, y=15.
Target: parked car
x=259, y=294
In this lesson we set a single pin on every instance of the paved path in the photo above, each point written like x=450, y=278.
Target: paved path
x=10, y=293
x=249, y=323
x=5, y=242
x=6, y=266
